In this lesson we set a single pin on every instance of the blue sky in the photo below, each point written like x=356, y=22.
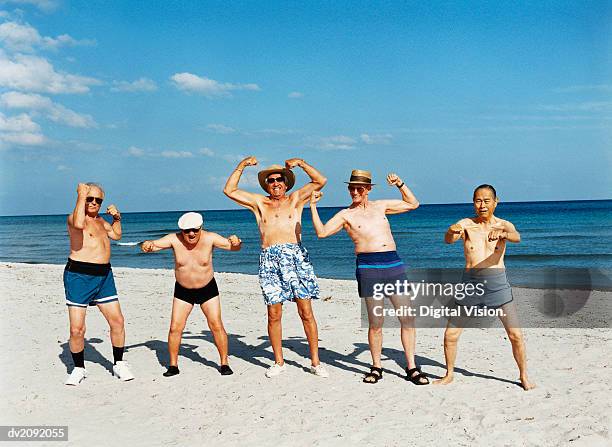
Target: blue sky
x=159, y=100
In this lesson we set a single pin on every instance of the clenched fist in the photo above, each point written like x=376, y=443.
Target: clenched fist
x=249, y=161
x=293, y=162
x=497, y=234
x=83, y=189
x=393, y=179
x=455, y=229
x=114, y=212
x=147, y=246
x=315, y=197
x=234, y=240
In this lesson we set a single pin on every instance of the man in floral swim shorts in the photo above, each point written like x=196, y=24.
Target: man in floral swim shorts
x=285, y=271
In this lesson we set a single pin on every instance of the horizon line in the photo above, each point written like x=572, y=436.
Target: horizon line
x=319, y=207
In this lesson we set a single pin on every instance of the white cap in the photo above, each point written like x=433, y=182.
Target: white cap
x=190, y=220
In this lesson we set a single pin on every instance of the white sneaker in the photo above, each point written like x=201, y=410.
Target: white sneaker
x=319, y=371
x=76, y=376
x=122, y=371
x=276, y=369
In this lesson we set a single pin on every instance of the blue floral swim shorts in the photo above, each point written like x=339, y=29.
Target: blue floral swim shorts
x=285, y=273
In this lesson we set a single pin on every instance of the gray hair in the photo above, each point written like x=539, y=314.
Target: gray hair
x=97, y=185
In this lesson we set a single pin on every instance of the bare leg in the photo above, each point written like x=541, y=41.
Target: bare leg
x=275, y=331
x=407, y=331
x=76, y=315
x=515, y=334
x=375, y=335
x=310, y=328
x=180, y=311
x=451, y=337
x=114, y=317
x=212, y=312
x=408, y=335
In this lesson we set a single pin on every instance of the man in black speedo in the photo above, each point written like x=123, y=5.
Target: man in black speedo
x=195, y=283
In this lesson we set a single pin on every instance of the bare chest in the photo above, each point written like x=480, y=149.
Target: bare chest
x=200, y=256
x=367, y=222
x=273, y=214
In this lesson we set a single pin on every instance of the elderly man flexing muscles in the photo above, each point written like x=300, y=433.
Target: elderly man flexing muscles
x=88, y=278
x=484, y=246
x=285, y=271
x=366, y=223
x=195, y=283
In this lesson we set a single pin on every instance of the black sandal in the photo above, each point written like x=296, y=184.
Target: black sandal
x=416, y=379
x=374, y=375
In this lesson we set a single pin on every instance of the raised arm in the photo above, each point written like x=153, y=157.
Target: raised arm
x=114, y=230
x=334, y=224
x=244, y=198
x=408, y=203
x=317, y=180
x=77, y=218
x=158, y=244
x=232, y=243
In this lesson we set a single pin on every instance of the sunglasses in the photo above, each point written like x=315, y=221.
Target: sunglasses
x=359, y=189
x=191, y=230
x=98, y=200
x=272, y=180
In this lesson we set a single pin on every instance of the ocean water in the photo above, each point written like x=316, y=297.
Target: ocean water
x=575, y=234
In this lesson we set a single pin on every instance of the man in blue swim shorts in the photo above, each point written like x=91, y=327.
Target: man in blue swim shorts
x=88, y=278
x=285, y=271
x=378, y=264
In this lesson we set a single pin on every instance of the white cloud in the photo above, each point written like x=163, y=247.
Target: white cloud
x=605, y=88
x=63, y=168
x=206, y=151
x=35, y=74
x=233, y=158
x=139, y=85
x=338, y=142
x=247, y=180
x=175, y=189
x=43, y=5
x=206, y=86
x=134, y=151
x=591, y=106
x=20, y=130
x=24, y=37
x=55, y=112
x=176, y=154
x=295, y=95
x=376, y=139
x=220, y=128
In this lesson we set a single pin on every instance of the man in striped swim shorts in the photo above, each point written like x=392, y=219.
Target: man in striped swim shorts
x=88, y=278
x=378, y=264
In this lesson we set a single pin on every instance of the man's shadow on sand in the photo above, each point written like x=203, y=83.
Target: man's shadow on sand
x=254, y=353
x=91, y=355
x=398, y=357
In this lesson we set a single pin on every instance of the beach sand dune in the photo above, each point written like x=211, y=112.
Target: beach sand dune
x=484, y=406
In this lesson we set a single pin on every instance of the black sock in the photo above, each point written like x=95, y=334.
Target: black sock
x=117, y=354
x=78, y=358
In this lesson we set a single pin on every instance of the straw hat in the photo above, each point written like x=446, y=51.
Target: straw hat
x=360, y=177
x=276, y=169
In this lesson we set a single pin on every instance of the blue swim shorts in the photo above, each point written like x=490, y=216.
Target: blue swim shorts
x=377, y=269
x=285, y=273
x=86, y=283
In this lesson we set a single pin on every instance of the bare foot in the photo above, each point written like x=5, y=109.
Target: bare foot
x=527, y=385
x=444, y=380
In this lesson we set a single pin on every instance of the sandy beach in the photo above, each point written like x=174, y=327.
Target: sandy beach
x=484, y=406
